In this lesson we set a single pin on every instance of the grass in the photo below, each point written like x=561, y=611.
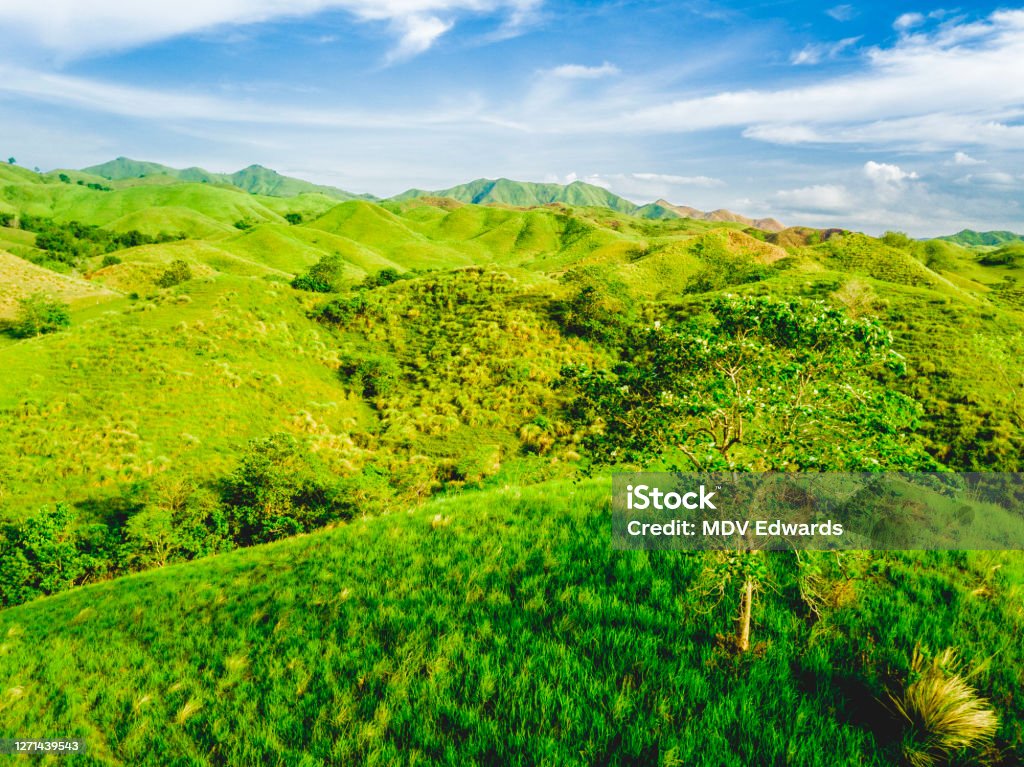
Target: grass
x=496, y=627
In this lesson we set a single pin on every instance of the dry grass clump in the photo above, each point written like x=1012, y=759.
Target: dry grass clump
x=944, y=713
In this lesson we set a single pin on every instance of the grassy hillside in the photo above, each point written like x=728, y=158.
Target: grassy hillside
x=494, y=628
x=255, y=179
x=971, y=238
x=526, y=194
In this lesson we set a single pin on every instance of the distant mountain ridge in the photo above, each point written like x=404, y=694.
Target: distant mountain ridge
x=526, y=194
x=971, y=238
x=255, y=179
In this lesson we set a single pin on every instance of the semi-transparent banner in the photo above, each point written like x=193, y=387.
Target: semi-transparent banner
x=818, y=511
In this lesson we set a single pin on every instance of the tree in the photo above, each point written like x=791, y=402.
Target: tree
x=757, y=384
x=176, y=273
x=39, y=314
x=40, y=556
x=278, y=489
x=322, y=277
x=11, y=161
x=293, y=218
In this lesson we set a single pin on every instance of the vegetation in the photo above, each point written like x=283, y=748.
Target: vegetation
x=39, y=314
x=310, y=494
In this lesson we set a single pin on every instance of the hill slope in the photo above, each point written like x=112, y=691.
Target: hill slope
x=499, y=627
x=971, y=238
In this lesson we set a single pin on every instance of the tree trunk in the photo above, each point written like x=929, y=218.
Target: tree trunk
x=746, y=607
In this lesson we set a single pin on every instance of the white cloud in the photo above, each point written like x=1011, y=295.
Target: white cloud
x=581, y=72
x=821, y=198
x=995, y=179
x=885, y=174
x=71, y=28
x=962, y=158
x=843, y=12
x=908, y=21
x=818, y=52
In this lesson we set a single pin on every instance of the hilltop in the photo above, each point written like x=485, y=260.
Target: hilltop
x=255, y=179
x=765, y=224
x=971, y=238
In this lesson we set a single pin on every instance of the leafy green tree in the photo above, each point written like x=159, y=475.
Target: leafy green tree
x=64, y=178
x=40, y=556
x=383, y=278
x=6, y=219
x=279, y=489
x=758, y=384
x=179, y=520
x=39, y=314
x=374, y=375
x=293, y=218
x=11, y=161
x=176, y=273
x=322, y=277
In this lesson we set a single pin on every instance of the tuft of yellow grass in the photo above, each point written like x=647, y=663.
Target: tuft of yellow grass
x=944, y=712
x=191, y=706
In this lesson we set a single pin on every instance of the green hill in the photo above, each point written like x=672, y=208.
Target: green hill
x=255, y=179
x=524, y=194
x=971, y=238
x=496, y=628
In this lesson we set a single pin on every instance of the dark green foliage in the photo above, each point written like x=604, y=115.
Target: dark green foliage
x=759, y=383
x=899, y=240
x=322, y=277
x=41, y=555
x=278, y=489
x=244, y=223
x=72, y=241
x=39, y=314
x=293, y=218
x=373, y=375
x=110, y=260
x=64, y=178
x=176, y=273
x=382, y=278
x=597, y=310
x=1008, y=255
x=341, y=311
x=6, y=219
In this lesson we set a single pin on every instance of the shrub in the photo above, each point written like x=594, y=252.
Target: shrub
x=944, y=713
x=6, y=219
x=382, y=278
x=40, y=556
x=293, y=218
x=177, y=273
x=278, y=489
x=373, y=375
x=110, y=260
x=39, y=314
x=322, y=277
x=341, y=310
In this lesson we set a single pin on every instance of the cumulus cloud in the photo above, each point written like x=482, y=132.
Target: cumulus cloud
x=581, y=72
x=886, y=174
x=70, y=28
x=818, y=52
x=993, y=179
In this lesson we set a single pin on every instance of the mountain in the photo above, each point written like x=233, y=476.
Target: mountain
x=972, y=239
x=720, y=215
x=526, y=194
x=255, y=179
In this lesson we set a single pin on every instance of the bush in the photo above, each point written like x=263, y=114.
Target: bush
x=110, y=260
x=279, y=489
x=382, y=278
x=340, y=311
x=322, y=277
x=40, y=556
x=177, y=273
x=39, y=314
x=373, y=375
x=6, y=219
x=293, y=218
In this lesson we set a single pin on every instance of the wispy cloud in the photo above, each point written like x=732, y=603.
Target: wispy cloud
x=581, y=72
x=70, y=28
x=843, y=12
x=818, y=52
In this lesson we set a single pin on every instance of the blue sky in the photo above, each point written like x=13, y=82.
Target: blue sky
x=864, y=114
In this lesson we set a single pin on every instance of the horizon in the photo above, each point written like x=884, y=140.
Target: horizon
x=852, y=115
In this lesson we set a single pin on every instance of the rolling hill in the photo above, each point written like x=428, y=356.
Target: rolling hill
x=255, y=179
x=971, y=238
